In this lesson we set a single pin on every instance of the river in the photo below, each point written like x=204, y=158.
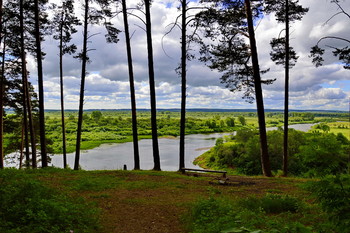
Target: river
x=114, y=156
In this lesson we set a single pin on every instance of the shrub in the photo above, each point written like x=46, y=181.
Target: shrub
x=29, y=206
x=333, y=194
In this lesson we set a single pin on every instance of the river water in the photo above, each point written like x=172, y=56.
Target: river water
x=114, y=156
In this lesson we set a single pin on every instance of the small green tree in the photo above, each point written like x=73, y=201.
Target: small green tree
x=96, y=116
x=242, y=120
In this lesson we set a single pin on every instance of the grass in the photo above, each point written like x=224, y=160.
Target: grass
x=340, y=127
x=153, y=201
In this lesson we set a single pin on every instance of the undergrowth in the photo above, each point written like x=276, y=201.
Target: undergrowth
x=27, y=205
x=333, y=194
x=271, y=213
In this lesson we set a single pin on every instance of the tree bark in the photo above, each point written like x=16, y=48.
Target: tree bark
x=265, y=161
x=40, y=86
x=22, y=147
x=62, y=98
x=2, y=92
x=82, y=86
x=286, y=96
x=132, y=90
x=156, y=157
x=26, y=95
x=183, y=86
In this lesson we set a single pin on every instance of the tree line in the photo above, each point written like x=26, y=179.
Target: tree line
x=223, y=30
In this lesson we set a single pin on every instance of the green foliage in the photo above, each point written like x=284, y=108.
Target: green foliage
x=322, y=154
x=310, y=154
x=212, y=215
x=242, y=120
x=272, y=213
x=96, y=116
x=272, y=203
x=116, y=126
x=333, y=194
x=29, y=206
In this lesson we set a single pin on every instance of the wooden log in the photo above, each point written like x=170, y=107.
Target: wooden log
x=204, y=170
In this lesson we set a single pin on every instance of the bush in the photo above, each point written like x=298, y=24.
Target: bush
x=29, y=206
x=333, y=194
x=322, y=154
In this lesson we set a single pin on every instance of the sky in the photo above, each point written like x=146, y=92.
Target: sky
x=107, y=82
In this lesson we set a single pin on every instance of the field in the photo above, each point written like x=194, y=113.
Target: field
x=340, y=127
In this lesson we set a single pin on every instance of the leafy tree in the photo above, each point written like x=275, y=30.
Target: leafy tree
x=322, y=154
x=63, y=24
x=286, y=11
x=343, y=53
x=230, y=122
x=96, y=115
x=242, y=120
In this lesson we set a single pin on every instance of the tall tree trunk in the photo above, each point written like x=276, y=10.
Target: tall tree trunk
x=26, y=138
x=2, y=92
x=132, y=89
x=27, y=99
x=62, y=99
x=40, y=85
x=22, y=147
x=82, y=86
x=156, y=157
x=286, y=96
x=265, y=161
x=183, y=85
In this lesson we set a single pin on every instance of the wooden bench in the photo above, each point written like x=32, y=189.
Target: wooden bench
x=183, y=170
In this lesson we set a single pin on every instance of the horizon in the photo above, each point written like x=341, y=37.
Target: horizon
x=204, y=110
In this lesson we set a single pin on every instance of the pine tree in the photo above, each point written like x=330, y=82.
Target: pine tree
x=63, y=25
x=286, y=11
x=231, y=23
x=91, y=16
x=156, y=157
x=132, y=89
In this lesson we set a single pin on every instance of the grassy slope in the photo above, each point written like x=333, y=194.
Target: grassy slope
x=149, y=201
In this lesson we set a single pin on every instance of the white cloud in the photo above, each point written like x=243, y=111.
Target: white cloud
x=107, y=85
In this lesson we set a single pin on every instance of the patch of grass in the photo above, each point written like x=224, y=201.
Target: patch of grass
x=264, y=214
x=93, y=183
x=276, y=191
x=272, y=203
x=141, y=185
x=27, y=205
x=102, y=195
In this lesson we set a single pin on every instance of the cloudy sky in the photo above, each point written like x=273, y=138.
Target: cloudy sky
x=107, y=85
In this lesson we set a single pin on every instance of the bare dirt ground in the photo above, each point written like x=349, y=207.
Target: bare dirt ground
x=156, y=203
